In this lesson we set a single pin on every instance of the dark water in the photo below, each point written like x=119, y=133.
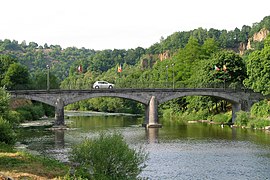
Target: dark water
x=193, y=151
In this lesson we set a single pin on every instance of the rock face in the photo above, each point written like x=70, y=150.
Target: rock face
x=164, y=55
x=261, y=35
x=242, y=47
x=257, y=37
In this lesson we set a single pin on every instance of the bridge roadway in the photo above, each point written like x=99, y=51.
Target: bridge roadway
x=240, y=100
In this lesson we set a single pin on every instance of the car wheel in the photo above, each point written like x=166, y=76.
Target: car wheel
x=110, y=87
x=96, y=87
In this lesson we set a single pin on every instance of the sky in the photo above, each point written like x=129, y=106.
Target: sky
x=120, y=24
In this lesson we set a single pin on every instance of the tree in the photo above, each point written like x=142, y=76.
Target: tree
x=5, y=62
x=258, y=69
x=4, y=102
x=39, y=80
x=186, y=58
x=214, y=33
x=243, y=36
x=223, y=67
x=16, y=77
x=7, y=134
x=209, y=47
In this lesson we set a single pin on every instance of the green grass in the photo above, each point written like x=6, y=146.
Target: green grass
x=17, y=164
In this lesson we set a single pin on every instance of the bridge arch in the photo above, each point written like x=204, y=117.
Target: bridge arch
x=48, y=101
x=96, y=95
x=225, y=96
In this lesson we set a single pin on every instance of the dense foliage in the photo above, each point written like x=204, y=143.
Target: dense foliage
x=196, y=58
x=258, y=69
x=7, y=134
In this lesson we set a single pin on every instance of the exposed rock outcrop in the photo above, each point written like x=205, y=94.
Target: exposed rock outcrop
x=257, y=37
x=261, y=35
x=164, y=55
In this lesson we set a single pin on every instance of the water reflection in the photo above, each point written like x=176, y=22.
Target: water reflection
x=234, y=133
x=176, y=151
x=152, y=135
x=59, y=138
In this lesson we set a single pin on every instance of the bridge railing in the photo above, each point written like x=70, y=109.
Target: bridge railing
x=179, y=84
x=149, y=84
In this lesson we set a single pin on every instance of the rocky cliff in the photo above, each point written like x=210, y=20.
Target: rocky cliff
x=164, y=55
x=257, y=37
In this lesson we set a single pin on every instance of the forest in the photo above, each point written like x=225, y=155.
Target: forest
x=196, y=58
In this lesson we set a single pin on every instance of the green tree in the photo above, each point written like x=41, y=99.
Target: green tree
x=5, y=62
x=4, y=102
x=258, y=69
x=16, y=77
x=7, y=134
x=39, y=80
x=185, y=60
x=223, y=67
x=209, y=47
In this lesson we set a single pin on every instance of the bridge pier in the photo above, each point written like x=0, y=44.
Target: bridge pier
x=236, y=107
x=243, y=105
x=151, y=114
x=59, y=112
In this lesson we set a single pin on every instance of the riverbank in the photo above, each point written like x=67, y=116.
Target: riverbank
x=16, y=164
x=243, y=119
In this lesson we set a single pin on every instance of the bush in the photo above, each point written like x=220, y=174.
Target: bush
x=49, y=110
x=242, y=118
x=7, y=134
x=260, y=109
x=258, y=123
x=4, y=102
x=14, y=117
x=24, y=115
x=221, y=118
x=31, y=112
x=107, y=157
x=37, y=112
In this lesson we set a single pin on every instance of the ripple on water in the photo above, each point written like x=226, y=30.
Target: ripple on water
x=205, y=160
x=197, y=152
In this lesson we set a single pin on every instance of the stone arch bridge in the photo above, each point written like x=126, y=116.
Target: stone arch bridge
x=240, y=100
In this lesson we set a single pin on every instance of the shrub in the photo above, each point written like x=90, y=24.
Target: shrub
x=222, y=118
x=258, y=123
x=37, y=112
x=4, y=102
x=242, y=118
x=13, y=117
x=107, y=157
x=31, y=112
x=260, y=109
x=49, y=110
x=24, y=115
x=7, y=134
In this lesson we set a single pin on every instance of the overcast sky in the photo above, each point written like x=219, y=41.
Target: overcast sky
x=120, y=24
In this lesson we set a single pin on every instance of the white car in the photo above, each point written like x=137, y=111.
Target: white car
x=103, y=85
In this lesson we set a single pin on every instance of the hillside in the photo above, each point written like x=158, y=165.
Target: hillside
x=65, y=61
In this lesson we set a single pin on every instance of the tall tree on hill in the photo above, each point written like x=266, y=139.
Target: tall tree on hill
x=258, y=69
x=5, y=62
x=223, y=67
x=186, y=58
x=16, y=77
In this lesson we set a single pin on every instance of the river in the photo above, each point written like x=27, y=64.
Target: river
x=176, y=151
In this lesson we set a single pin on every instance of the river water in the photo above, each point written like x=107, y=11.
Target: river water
x=176, y=151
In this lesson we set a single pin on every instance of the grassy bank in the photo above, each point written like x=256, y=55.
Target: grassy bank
x=22, y=165
x=243, y=119
x=185, y=117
